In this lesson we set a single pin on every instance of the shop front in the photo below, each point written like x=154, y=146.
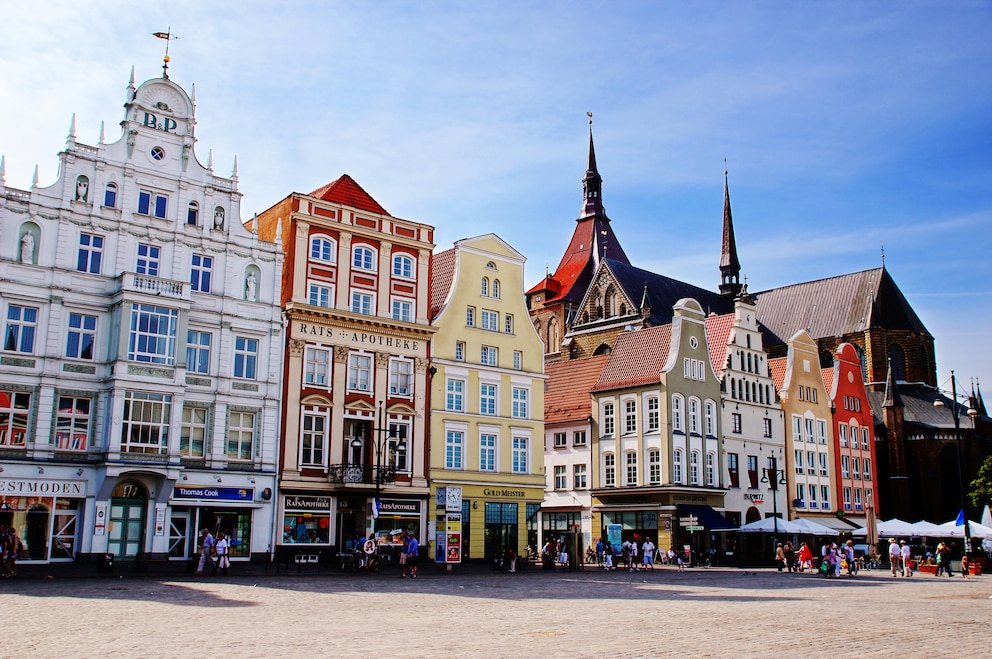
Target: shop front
x=499, y=519
x=46, y=514
x=230, y=510
x=396, y=517
x=306, y=520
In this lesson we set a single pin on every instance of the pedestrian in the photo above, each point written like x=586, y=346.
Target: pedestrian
x=835, y=559
x=944, y=559
x=599, y=551
x=4, y=542
x=681, y=561
x=790, y=555
x=608, y=557
x=13, y=552
x=670, y=556
x=852, y=565
x=895, y=555
x=779, y=557
x=413, y=553
x=633, y=555
x=206, y=549
x=964, y=566
x=223, y=550
x=805, y=558
x=647, y=553
x=625, y=553
x=907, y=559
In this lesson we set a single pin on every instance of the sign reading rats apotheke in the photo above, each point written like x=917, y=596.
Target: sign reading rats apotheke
x=369, y=339
x=214, y=493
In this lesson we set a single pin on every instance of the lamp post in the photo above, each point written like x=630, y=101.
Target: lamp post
x=380, y=442
x=956, y=415
x=774, y=477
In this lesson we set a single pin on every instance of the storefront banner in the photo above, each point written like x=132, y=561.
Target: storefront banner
x=392, y=506
x=101, y=519
x=35, y=486
x=307, y=503
x=214, y=493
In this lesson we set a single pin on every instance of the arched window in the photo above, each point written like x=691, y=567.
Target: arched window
x=193, y=214
x=602, y=349
x=678, y=406
x=485, y=287
x=710, y=418
x=323, y=249
x=363, y=258
x=677, y=467
x=496, y=288
x=898, y=361
x=403, y=266
x=110, y=196
x=694, y=416
x=694, y=468
x=711, y=469
x=491, y=265
x=554, y=336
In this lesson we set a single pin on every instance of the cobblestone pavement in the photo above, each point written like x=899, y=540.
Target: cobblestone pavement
x=476, y=613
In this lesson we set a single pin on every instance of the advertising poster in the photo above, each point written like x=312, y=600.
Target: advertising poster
x=453, y=537
x=440, y=554
x=614, y=535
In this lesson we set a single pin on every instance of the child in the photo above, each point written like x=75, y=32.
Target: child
x=964, y=566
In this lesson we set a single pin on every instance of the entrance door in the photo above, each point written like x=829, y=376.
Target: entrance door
x=500, y=529
x=127, y=521
x=64, y=535
x=179, y=535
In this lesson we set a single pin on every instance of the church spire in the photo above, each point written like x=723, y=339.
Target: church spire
x=592, y=184
x=730, y=266
x=892, y=397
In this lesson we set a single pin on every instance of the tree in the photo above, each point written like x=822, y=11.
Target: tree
x=981, y=487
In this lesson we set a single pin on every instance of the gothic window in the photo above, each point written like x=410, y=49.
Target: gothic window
x=898, y=360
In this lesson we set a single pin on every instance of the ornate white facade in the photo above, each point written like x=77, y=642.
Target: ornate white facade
x=142, y=348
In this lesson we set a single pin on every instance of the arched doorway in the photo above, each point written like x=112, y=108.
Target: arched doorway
x=128, y=504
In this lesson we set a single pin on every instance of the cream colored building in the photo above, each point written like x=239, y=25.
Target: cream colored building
x=487, y=396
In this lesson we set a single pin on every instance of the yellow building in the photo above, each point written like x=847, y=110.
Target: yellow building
x=487, y=396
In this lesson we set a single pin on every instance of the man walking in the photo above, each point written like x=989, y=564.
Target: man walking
x=895, y=555
x=206, y=548
x=647, y=553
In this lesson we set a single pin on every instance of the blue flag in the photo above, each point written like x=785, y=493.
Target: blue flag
x=375, y=507
x=960, y=520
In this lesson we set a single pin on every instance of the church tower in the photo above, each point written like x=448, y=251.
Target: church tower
x=730, y=265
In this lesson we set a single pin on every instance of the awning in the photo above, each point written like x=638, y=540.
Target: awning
x=835, y=523
x=711, y=519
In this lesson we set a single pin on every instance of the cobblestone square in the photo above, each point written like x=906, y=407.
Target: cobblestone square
x=477, y=613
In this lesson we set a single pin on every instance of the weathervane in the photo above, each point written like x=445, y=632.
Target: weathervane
x=168, y=36
x=589, y=114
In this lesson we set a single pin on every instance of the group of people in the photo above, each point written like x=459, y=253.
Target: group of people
x=409, y=555
x=215, y=553
x=635, y=555
x=10, y=548
x=901, y=558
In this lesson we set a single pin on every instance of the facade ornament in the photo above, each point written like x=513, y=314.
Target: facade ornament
x=382, y=360
x=340, y=354
x=420, y=364
x=296, y=347
x=27, y=248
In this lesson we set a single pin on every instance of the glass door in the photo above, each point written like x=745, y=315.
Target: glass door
x=179, y=535
x=127, y=521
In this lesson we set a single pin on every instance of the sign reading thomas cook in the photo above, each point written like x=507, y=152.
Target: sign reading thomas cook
x=359, y=338
x=216, y=493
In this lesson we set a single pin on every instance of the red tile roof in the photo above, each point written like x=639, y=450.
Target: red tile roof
x=569, y=383
x=778, y=366
x=347, y=192
x=828, y=378
x=717, y=336
x=442, y=274
x=636, y=359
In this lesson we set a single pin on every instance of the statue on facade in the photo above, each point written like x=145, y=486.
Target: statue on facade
x=251, y=285
x=27, y=248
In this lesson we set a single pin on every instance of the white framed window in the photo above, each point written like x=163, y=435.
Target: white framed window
x=824, y=496
x=402, y=310
x=630, y=417
x=490, y=320
x=810, y=437
x=768, y=427
x=110, y=195
x=485, y=287
x=359, y=372
x=799, y=462
x=518, y=360
x=152, y=336
x=654, y=418
x=145, y=427
x=401, y=377
x=316, y=367
x=811, y=463
x=693, y=416
x=736, y=423
x=80, y=337
x=677, y=467
x=857, y=498
x=148, y=260
x=321, y=295
x=324, y=249
x=470, y=316
x=403, y=266
x=579, y=438
x=845, y=466
x=678, y=404
x=694, y=468
x=487, y=452
x=521, y=459
x=867, y=476
x=797, y=429
x=561, y=477
x=152, y=203
x=454, y=449
x=710, y=408
x=842, y=430
x=459, y=351
x=240, y=435
x=609, y=470
x=801, y=495
x=560, y=440
x=193, y=432
x=90, y=254
x=496, y=288
x=15, y=407
x=711, y=469
x=812, y=496
x=630, y=459
x=72, y=425
x=314, y=435
x=198, y=351
x=580, y=480
x=508, y=323
x=201, y=270
x=487, y=399
x=608, y=420
x=245, y=357
x=398, y=446
x=856, y=468
x=363, y=303
x=821, y=431
x=519, y=403
x=490, y=356
x=654, y=467
x=823, y=464
x=363, y=258
x=193, y=214
x=847, y=498
x=455, y=395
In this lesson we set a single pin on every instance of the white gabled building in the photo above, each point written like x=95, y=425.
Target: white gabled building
x=141, y=361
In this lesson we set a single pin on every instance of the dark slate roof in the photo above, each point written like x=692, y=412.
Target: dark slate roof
x=918, y=408
x=835, y=306
x=664, y=292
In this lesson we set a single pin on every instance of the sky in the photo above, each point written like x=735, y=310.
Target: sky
x=845, y=126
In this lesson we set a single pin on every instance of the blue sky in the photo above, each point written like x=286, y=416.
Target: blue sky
x=845, y=125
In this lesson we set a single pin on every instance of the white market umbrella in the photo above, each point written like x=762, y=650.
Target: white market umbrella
x=987, y=517
x=952, y=530
x=767, y=525
x=925, y=529
x=815, y=527
x=895, y=527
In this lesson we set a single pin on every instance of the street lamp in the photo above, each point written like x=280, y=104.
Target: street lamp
x=380, y=440
x=774, y=477
x=956, y=415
